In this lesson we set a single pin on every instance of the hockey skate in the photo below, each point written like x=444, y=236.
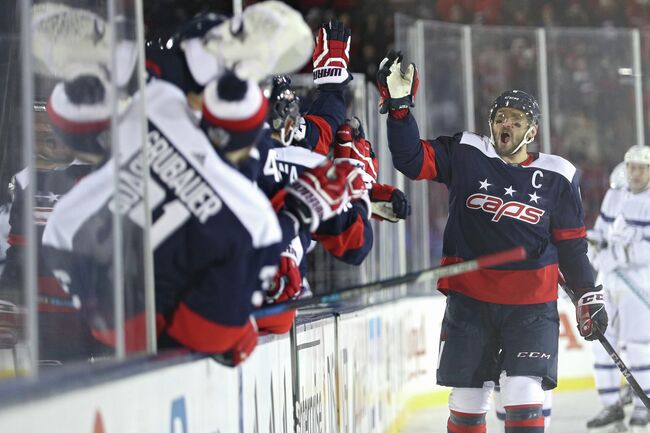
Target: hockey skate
x=639, y=420
x=609, y=420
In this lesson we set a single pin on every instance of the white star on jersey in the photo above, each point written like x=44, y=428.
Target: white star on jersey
x=484, y=184
x=534, y=197
x=510, y=191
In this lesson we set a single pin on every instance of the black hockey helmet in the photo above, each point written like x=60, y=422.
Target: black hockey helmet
x=520, y=100
x=167, y=60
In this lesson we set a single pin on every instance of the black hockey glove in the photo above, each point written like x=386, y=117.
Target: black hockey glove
x=590, y=313
x=396, y=88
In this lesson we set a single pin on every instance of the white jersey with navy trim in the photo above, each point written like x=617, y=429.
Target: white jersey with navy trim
x=624, y=227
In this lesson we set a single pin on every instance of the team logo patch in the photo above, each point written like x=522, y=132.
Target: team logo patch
x=512, y=209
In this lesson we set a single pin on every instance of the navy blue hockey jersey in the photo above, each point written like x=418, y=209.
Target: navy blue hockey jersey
x=494, y=206
x=216, y=238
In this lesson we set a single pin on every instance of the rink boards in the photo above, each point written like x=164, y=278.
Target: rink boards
x=357, y=371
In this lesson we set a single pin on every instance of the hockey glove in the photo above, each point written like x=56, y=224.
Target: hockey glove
x=389, y=203
x=351, y=146
x=320, y=193
x=242, y=348
x=591, y=314
x=397, y=89
x=332, y=54
x=286, y=283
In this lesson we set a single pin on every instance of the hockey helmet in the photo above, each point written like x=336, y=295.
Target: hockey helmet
x=80, y=113
x=284, y=108
x=182, y=59
x=638, y=154
x=520, y=100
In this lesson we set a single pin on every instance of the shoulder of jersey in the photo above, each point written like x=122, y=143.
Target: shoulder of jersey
x=297, y=155
x=545, y=161
x=77, y=206
x=171, y=117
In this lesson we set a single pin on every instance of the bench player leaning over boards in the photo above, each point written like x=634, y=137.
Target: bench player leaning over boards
x=499, y=324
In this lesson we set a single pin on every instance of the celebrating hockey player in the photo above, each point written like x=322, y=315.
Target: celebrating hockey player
x=500, y=324
x=620, y=246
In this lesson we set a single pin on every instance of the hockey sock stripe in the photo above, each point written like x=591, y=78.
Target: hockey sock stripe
x=524, y=419
x=460, y=422
x=605, y=366
x=607, y=390
x=640, y=368
x=502, y=415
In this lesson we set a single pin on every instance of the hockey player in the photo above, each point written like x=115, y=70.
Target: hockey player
x=499, y=324
x=388, y=203
x=203, y=293
x=295, y=142
x=63, y=336
x=620, y=246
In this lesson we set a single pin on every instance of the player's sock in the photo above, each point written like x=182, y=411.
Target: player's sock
x=525, y=418
x=460, y=422
x=501, y=412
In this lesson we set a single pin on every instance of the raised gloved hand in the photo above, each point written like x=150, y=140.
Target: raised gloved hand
x=242, y=348
x=287, y=281
x=396, y=88
x=321, y=192
x=331, y=56
x=389, y=203
x=590, y=313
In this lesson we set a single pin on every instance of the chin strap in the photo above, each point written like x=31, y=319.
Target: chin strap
x=523, y=140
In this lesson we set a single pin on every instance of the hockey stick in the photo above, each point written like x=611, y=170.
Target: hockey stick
x=508, y=256
x=638, y=390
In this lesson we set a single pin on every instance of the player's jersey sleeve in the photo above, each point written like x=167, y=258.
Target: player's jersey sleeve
x=347, y=236
x=416, y=158
x=569, y=235
x=324, y=117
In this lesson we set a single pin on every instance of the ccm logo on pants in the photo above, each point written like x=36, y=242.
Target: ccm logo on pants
x=533, y=355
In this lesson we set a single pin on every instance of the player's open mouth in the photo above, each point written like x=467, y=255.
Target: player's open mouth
x=504, y=138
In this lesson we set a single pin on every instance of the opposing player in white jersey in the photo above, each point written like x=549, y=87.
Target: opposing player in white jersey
x=620, y=249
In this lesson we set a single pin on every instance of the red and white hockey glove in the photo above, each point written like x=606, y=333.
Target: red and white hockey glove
x=352, y=146
x=331, y=56
x=320, y=193
x=287, y=280
x=590, y=313
x=397, y=89
x=242, y=348
x=389, y=203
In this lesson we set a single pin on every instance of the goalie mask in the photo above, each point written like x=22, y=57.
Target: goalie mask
x=284, y=109
x=518, y=100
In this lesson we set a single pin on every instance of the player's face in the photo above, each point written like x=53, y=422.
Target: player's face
x=47, y=146
x=508, y=129
x=638, y=176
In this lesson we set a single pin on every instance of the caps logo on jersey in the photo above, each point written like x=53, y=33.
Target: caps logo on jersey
x=512, y=209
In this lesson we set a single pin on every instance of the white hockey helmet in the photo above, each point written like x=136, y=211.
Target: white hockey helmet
x=638, y=154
